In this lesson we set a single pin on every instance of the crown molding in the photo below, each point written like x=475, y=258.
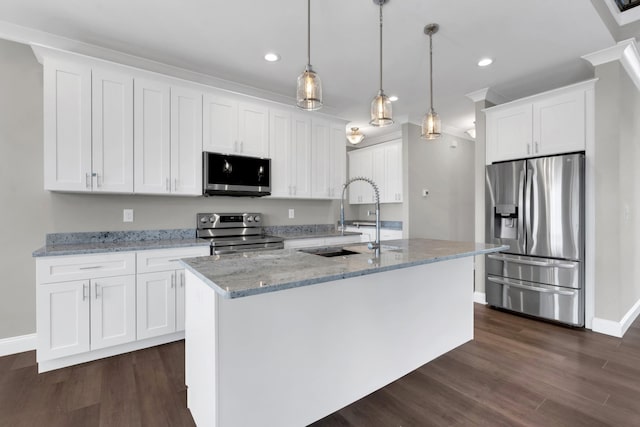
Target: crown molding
x=626, y=52
x=486, y=94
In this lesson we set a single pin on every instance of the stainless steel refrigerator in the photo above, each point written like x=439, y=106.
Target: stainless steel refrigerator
x=536, y=206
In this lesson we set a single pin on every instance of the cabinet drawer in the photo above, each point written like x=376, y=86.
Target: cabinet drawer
x=167, y=259
x=67, y=268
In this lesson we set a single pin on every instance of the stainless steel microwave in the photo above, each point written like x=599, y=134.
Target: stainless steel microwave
x=228, y=175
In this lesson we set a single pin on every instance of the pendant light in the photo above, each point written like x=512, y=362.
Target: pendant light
x=309, y=93
x=431, y=120
x=381, y=114
x=355, y=137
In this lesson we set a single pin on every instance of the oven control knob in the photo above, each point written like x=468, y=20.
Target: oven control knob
x=249, y=218
x=211, y=219
x=256, y=218
x=203, y=220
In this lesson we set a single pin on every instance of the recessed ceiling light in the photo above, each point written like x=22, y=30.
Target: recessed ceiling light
x=485, y=62
x=272, y=57
x=393, y=98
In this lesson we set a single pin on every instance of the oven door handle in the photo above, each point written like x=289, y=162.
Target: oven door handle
x=508, y=282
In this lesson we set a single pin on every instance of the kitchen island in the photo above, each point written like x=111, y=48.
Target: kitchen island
x=286, y=337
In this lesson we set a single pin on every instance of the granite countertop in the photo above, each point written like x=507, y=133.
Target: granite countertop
x=117, y=246
x=252, y=273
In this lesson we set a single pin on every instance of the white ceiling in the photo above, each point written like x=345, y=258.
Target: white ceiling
x=536, y=45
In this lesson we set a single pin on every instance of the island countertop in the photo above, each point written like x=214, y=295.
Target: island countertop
x=252, y=273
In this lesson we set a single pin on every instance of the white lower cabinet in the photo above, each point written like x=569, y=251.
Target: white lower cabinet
x=93, y=306
x=80, y=316
x=160, y=290
x=156, y=304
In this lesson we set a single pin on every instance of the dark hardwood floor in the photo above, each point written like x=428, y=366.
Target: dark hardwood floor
x=517, y=372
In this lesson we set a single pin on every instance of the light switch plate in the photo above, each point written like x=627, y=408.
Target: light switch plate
x=292, y=213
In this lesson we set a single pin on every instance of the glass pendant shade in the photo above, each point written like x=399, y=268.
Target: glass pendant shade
x=309, y=93
x=381, y=113
x=355, y=137
x=430, y=125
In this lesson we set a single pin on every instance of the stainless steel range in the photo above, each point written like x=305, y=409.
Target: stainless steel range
x=235, y=232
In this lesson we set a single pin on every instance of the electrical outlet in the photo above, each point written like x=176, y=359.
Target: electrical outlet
x=127, y=215
x=292, y=213
x=425, y=192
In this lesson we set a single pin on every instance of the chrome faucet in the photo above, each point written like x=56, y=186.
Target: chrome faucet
x=376, y=245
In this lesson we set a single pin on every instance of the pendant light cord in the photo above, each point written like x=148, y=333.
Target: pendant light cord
x=431, y=70
x=309, y=33
x=381, y=2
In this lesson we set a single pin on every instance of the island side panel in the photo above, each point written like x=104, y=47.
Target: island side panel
x=291, y=357
x=200, y=350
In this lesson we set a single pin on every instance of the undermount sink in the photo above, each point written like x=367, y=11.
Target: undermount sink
x=328, y=252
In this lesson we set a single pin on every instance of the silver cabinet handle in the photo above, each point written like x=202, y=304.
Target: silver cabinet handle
x=93, y=267
x=173, y=280
x=96, y=287
x=175, y=184
x=84, y=292
x=530, y=262
x=507, y=282
x=174, y=260
x=87, y=179
x=536, y=146
x=182, y=279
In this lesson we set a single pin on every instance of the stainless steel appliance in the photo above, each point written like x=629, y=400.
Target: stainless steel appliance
x=235, y=232
x=536, y=206
x=228, y=175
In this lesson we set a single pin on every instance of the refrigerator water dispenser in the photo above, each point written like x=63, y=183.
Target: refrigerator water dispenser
x=506, y=222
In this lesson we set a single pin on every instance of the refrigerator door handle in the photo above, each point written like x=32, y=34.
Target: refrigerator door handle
x=529, y=207
x=508, y=282
x=522, y=242
x=500, y=257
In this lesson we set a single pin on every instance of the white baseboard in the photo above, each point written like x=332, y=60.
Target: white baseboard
x=13, y=345
x=480, y=298
x=613, y=328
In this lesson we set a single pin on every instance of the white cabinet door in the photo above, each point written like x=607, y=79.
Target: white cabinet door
x=63, y=319
x=509, y=133
x=220, y=124
x=392, y=184
x=338, y=160
x=559, y=124
x=113, y=311
x=280, y=144
x=112, y=132
x=378, y=174
x=180, y=282
x=152, y=149
x=360, y=165
x=320, y=159
x=156, y=302
x=186, y=141
x=253, y=129
x=67, y=126
x=300, y=161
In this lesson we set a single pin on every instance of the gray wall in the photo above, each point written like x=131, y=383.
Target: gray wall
x=617, y=187
x=28, y=212
x=448, y=173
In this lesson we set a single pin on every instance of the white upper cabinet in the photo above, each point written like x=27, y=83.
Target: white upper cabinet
x=290, y=150
x=112, y=132
x=383, y=164
x=186, y=141
x=328, y=159
x=67, y=126
x=168, y=139
x=554, y=122
x=233, y=126
x=152, y=146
